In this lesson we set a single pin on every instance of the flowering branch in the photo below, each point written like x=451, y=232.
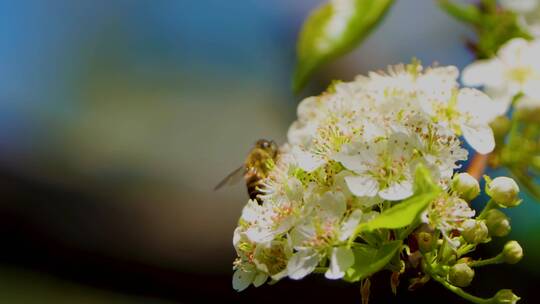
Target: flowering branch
x=366, y=183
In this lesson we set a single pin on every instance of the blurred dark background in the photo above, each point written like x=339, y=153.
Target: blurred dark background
x=117, y=118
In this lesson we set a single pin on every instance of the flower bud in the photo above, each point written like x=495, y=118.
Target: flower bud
x=425, y=241
x=466, y=185
x=461, y=275
x=504, y=191
x=474, y=232
x=512, y=252
x=505, y=296
x=498, y=223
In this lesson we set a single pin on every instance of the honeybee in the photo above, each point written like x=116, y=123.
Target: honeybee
x=254, y=169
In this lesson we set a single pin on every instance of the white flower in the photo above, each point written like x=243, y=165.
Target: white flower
x=440, y=149
x=447, y=213
x=257, y=262
x=272, y=259
x=382, y=166
x=469, y=112
x=515, y=69
x=321, y=227
x=316, y=237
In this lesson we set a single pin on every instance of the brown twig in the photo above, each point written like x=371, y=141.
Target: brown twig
x=478, y=165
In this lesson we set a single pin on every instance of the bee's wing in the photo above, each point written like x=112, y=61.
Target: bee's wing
x=233, y=178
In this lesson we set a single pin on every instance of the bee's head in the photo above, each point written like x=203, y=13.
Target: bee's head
x=267, y=145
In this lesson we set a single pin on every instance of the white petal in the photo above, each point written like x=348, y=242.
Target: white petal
x=476, y=104
x=251, y=211
x=333, y=204
x=511, y=52
x=242, y=279
x=342, y=258
x=236, y=236
x=301, y=233
x=532, y=89
x=362, y=185
x=349, y=161
x=260, y=278
x=308, y=108
x=480, y=137
x=438, y=80
x=483, y=72
x=302, y=263
x=260, y=234
x=301, y=133
x=306, y=160
x=501, y=105
x=352, y=156
x=295, y=189
x=350, y=224
x=397, y=191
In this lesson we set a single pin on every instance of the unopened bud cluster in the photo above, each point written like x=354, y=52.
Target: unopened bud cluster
x=467, y=231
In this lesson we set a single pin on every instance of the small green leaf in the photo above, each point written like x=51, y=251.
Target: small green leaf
x=332, y=30
x=402, y=214
x=422, y=181
x=368, y=260
x=406, y=212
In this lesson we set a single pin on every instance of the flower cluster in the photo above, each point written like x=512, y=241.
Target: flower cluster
x=513, y=72
x=351, y=155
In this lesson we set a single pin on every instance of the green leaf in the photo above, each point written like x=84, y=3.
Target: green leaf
x=406, y=212
x=368, y=260
x=332, y=30
x=467, y=13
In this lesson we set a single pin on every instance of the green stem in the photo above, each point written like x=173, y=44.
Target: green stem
x=460, y=292
x=465, y=249
x=442, y=249
x=490, y=205
x=514, y=127
x=494, y=260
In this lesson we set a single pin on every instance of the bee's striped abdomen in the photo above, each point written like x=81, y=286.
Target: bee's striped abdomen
x=253, y=180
